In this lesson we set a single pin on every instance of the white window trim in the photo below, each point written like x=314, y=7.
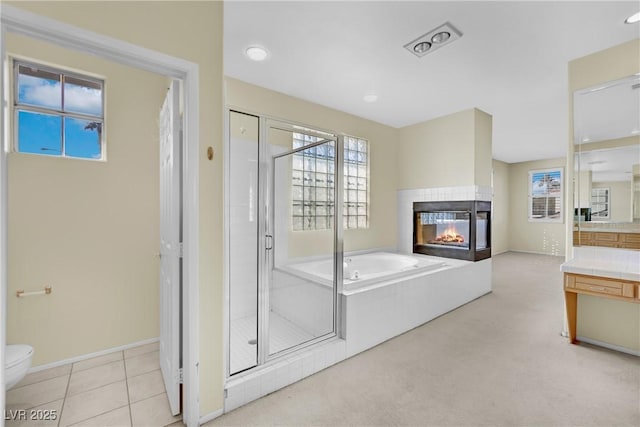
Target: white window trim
x=560, y=197
x=607, y=203
x=14, y=144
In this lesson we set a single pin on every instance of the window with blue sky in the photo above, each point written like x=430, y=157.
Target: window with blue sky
x=58, y=113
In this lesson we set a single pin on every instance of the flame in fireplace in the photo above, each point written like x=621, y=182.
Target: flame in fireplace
x=450, y=235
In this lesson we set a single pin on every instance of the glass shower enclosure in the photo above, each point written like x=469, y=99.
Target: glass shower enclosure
x=282, y=200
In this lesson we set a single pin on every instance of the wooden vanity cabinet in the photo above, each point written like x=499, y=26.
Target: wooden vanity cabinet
x=607, y=239
x=574, y=284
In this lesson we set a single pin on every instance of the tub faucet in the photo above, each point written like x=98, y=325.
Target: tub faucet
x=346, y=269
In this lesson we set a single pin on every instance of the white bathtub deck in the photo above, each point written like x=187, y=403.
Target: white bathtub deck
x=369, y=317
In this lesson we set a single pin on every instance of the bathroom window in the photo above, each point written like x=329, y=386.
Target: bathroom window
x=312, y=184
x=57, y=113
x=545, y=195
x=600, y=209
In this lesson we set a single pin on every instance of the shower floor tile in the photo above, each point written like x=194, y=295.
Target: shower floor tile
x=282, y=335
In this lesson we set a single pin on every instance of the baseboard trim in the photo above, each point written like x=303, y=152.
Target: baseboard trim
x=532, y=252
x=91, y=355
x=609, y=346
x=210, y=416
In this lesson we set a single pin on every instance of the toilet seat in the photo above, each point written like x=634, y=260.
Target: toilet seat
x=16, y=353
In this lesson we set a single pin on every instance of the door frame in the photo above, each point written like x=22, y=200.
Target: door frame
x=19, y=21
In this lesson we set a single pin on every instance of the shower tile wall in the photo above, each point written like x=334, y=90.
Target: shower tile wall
x=243, y=222
x=243, y=245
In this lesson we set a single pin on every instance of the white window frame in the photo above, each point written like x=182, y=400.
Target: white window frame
x=601, y=191
x=16, y=62
x=534, y=193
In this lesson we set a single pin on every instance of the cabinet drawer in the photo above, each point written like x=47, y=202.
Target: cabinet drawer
x=630, y=238
x=602, y=286
x=605, y=286
x=629, y=245
x=605, y=237
x=583, y=236
x=607, y=290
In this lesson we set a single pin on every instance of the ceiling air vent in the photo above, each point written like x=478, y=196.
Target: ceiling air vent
x=433, y=40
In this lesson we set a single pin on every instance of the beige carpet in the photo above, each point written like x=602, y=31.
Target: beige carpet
x=497, y=361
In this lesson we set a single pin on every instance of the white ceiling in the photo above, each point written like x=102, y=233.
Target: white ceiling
x=511, y=60
x=607, y=111
x=614, y=164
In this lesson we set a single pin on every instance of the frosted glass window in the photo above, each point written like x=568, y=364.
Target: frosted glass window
x=313, y=183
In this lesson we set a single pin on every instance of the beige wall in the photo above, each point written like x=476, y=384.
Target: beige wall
x=582, y=191
x=619, y=198
x=537, y=237
x=614, y=322
x=483, y=147
x=448, y=151
x=432, y=152
x=609, y=321
x=382, y=142
x=193, y=31
x=88, y=229
x=500, y=208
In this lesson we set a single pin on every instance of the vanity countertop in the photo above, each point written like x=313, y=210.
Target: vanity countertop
x=606, y=230
x=604, y=262
x=613, y=270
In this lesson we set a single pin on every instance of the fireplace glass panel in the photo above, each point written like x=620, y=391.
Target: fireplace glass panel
x=450, y=228
x=482, y=228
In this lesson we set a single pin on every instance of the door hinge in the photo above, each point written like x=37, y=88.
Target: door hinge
x=180, y=376
x=181, y=250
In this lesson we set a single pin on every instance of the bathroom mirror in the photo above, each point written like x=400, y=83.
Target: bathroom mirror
x=607, y=158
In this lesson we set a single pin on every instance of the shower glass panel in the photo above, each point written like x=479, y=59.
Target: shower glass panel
x=300, y=238
x=243, y=244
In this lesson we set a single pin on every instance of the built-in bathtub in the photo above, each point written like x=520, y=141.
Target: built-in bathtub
x=393, y=294
x=364, y=270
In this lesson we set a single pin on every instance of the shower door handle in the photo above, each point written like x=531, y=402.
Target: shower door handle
x=268, y=242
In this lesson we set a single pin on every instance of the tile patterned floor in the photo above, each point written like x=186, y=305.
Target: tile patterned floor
x=283, y=335
x=123, y=388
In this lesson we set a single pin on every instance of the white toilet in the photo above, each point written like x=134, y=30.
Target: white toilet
x=17, y=361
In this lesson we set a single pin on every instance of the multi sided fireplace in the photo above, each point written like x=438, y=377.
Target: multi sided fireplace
x=457, y=229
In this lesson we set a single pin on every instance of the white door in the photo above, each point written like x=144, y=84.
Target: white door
x=170, y=244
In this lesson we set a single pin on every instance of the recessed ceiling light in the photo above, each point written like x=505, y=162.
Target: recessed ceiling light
x=440, y=37
x=256, y=53
x=433, y=40
x=422, y=47
x=372, y=97
x=632, y=19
